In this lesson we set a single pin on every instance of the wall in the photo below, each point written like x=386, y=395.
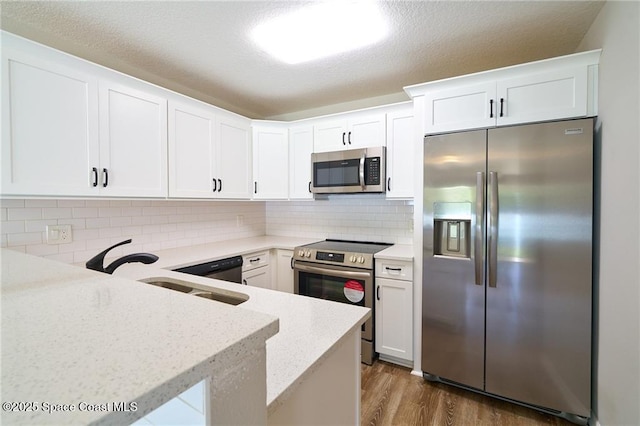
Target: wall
x=97, y=224
x=347, y=217
x=617, y=356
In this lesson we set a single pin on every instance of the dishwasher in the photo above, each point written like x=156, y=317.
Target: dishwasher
x=229, y=269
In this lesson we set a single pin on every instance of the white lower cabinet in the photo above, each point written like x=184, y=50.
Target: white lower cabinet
x=394, y=310
x=283, y=273
x=255, y=269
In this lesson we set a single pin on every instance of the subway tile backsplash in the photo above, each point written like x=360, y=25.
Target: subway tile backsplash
x=362, y=217
x=160, y=224
x=151, y=224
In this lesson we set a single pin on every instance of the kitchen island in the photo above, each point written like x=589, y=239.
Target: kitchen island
x=72, y=336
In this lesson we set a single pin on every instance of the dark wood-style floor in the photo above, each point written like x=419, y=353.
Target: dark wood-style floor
x=392, y=396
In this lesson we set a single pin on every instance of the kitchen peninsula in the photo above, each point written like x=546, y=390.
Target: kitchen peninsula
x=72, y=336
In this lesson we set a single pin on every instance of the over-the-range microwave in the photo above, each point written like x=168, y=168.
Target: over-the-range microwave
x=350, y=171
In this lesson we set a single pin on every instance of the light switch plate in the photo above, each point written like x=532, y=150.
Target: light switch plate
x=59, y=234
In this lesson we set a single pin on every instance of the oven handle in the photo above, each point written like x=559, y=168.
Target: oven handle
x=334, y=272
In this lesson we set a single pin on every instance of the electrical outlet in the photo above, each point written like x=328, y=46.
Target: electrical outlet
x=59, y=234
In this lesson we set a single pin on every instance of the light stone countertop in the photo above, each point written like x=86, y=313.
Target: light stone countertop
x=84, y=338
x=310, y=329
x=396, y=252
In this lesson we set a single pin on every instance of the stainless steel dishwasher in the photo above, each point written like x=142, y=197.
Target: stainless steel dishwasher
x=229, y=269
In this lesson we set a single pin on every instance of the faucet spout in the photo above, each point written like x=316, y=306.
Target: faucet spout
x=145, y=258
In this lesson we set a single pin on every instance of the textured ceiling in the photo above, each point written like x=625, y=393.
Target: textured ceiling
x=203, y=48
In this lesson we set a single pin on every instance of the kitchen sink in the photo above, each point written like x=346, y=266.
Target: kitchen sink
x=219, y=295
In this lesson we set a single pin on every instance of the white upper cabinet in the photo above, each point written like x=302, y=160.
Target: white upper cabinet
x=552, y=95
x=464, y=107
x=232, y=162
x=351, y=132
x=552, y=89
x=49, y=126
x=300, y=149
x=401, y=141
x=270, y=162
x=191, y=150
x=72, y=131
x=133, y=142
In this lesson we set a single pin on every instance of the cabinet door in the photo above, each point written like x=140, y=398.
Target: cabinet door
x=233, y=158
x=191, y=150
x=394, y=312
x=401, y=142
x=552, y=95
x=367, y=131
x=49, y=127
x=330, y=136
x=460, y=108
x=300, y=149
x=133, y=142
x=258, y=277
x=284, y=273
x=270, y=163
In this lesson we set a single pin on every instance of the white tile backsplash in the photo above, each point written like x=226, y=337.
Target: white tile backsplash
x=97, y=224
x=348, y=217
x=162, y=224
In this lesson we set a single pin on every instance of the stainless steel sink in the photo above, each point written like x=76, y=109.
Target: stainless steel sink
x=219, y=295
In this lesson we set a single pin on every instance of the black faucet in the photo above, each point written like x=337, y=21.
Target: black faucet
x=96, y=263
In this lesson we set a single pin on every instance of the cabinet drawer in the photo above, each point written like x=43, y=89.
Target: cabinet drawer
x=394, y=269
x=255, y=260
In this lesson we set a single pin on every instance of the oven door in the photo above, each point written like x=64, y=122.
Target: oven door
x=338, y=284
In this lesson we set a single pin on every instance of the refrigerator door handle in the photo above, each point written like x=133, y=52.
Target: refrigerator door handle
x=479, y=236
x=493, y=229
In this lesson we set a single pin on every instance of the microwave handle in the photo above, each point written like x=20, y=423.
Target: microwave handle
x=364, y=153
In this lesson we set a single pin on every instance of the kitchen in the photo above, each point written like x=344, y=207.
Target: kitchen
x=169, y=224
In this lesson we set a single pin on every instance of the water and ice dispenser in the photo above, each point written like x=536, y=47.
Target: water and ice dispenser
x=452, y=229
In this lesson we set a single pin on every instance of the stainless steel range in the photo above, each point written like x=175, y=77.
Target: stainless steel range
x=341, y=271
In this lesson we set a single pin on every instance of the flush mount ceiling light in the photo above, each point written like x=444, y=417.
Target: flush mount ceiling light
x=321, y=30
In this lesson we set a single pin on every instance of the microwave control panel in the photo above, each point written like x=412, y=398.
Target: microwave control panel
x=372, y=171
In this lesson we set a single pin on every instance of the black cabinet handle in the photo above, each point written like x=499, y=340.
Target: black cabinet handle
x=219, y=185
x=215, y=185
x=95, y=177
x=309, y=186
x=491, y=108
x=349, y=139
x=343, y=142
x=257, y=259
x=255, y=187
x=501, y=107
x=105, y=173
x=393, y=269
x=378, y=292
x=388, y=184
x=244, y=282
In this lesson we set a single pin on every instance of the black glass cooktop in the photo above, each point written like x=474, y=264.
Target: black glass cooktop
x=349, y=246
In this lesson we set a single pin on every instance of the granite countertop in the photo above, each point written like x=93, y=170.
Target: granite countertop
x=87, y=340
x=309, y=328
x=102, y=338
x=396, y=252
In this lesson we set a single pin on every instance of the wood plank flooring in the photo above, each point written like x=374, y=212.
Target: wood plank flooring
x=392, y=396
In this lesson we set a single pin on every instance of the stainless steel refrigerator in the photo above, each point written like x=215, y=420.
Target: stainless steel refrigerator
x=507, y=273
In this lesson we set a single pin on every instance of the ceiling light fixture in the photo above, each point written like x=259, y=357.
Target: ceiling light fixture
x=321, y=30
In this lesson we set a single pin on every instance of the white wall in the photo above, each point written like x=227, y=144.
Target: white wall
x=617, y=356
x=97, y=224
x=347, y=217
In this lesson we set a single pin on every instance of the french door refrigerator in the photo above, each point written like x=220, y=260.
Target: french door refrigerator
x=507, y=274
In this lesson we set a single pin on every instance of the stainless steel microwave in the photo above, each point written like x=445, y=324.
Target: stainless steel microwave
x=348, y=172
